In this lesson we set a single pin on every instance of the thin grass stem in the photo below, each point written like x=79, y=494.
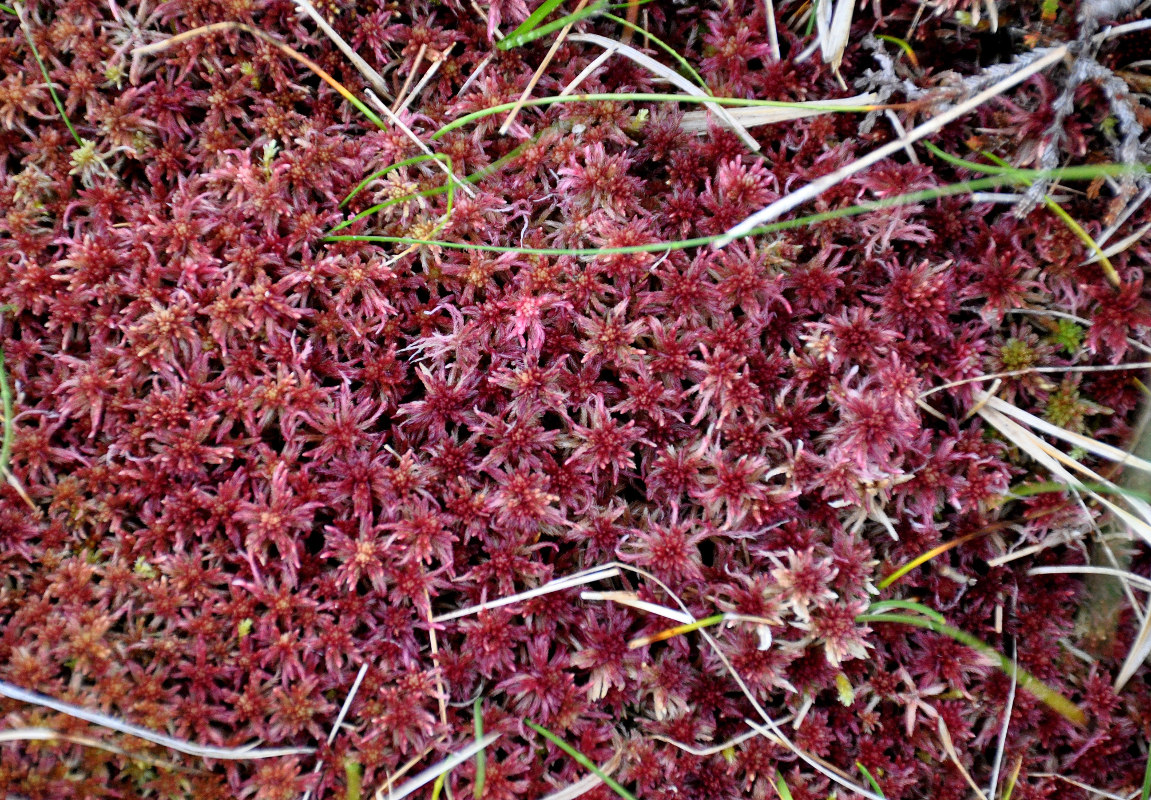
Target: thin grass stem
x=18, y=11
x=536, y=18
x=581, y=759
x=320, y=72
x=662, y=45
x=179, y=745
x=481, y=757
x=937, y=551
x=871, y=780
x=926, y=195
x=1057, y=702
x=518, y=40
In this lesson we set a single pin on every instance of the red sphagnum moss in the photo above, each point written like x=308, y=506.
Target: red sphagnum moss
x=259, y=460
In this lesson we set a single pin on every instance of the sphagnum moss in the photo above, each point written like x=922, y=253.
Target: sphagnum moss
x=265, y=446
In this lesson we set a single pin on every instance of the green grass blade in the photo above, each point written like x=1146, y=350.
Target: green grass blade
x=535, y=18
x=8, y=10
x=956, y=161
x=520, y=39
x=870, y=779
x=354, y=775
x=47, y=78
x=882, y=606
x=683, y=62
x=903, y=45
x=1012, y=779
x=1104, y=262
x=581, y=759
x=782, y=788
x=481, y=757
x=1038, y=688
x=407, y=162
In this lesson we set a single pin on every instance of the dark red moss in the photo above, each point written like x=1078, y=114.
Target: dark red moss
x=259, y=461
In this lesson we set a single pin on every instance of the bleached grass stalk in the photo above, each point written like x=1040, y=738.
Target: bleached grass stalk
x=1119, y=246
x=1122, y=30
x=1053, y=540
x=1057, y=463
x=363, y=67
x=419, y=87
x=751, y=117
x=419, y=59
x=901, y=132
x=949, y=190
x=179, y=745
x=581, y=759
x=772, y=33
x=672, y=77
x=557, y=585
x=1135, y=580
x=831, y=772
x=631, y=600
x=704, y=752
x=992, y=376
x=949, y=748
x=665, y=97
x=421, y=779
x=833, y=26
x=1140, y=650
x=399, y=123
x=1125, y=214
x=587, y=71
x=49, y=735
x=1001, y=745
x=1012, y=198
x=475, y=74
x=588, y=782
x=1115, y=454
x=221, y=27
x=684, y=64
x=1086, y=787
x=434, y=646
x=340, y=717
x=773, y=734
x=551, y=53
x=818, y=187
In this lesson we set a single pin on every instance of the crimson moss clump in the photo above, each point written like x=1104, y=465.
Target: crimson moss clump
x=247, y=460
